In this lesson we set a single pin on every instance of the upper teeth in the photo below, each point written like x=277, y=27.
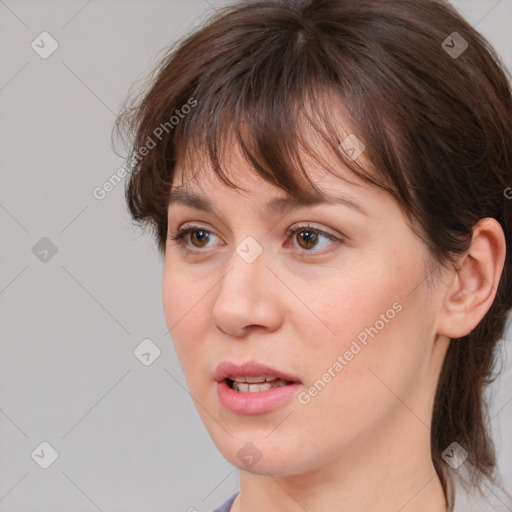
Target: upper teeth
x=253, y=387
x=255, y=379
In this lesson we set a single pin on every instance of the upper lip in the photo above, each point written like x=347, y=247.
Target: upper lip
x=249, y=369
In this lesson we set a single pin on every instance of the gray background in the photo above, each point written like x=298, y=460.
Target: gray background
x=127, y=435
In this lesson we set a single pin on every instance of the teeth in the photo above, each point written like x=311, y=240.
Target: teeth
x=245, y=387
x=255, y=379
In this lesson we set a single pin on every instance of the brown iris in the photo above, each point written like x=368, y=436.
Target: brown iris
x=308, y=237
x=201, y=236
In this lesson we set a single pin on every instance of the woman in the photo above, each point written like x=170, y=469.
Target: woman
x=327, y=181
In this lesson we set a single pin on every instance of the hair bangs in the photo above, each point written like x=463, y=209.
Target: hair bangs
x=274, y=132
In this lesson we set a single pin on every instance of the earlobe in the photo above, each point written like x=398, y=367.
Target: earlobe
x=475, y=281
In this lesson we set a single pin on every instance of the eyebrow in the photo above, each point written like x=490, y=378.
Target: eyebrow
x=277, y=205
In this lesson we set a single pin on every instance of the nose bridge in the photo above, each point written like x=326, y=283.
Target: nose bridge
x=247, y=271
x=245, y=296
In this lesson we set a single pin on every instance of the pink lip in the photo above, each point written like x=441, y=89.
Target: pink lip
x=252, y=403
x=248, y=369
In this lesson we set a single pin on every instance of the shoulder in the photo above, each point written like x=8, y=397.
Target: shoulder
x=226, y=506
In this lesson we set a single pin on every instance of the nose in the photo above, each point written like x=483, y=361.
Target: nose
x=248, y=298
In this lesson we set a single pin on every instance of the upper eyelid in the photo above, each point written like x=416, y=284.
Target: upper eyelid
x=300, y=225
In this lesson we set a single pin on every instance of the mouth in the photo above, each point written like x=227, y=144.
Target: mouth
x=255, y=384
x=253, y=388
x=250, y=375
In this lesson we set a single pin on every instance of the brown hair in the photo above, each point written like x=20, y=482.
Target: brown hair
x=435, y=117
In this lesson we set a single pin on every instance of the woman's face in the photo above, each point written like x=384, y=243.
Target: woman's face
x=347, y=316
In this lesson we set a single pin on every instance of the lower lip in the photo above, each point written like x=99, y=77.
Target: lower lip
x=257, y=402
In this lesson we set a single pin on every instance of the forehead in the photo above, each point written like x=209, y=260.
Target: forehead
x=199, y=187
x=322, y=166
x=194, y=178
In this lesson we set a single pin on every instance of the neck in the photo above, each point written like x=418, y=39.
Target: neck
x=395, y=478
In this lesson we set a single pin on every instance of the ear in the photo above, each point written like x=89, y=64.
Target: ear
x=474, y=282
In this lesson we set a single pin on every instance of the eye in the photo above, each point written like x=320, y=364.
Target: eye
x=309, y=237
x=197, y=235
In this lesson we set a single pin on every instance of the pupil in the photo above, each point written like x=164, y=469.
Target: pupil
x=309, y=237
x=201, y=236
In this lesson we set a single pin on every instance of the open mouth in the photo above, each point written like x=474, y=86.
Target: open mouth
x=255, y=384
x=254, y=388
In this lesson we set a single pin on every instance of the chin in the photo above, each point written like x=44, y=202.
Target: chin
x=260, y=456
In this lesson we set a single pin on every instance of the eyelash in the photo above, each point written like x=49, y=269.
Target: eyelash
x=180, y=237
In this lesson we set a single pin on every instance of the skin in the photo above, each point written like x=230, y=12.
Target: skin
x=363, y=442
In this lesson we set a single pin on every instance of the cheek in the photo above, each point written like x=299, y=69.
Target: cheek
x=185, y=314
x=346, y=307
x=371, y=332
x=371, y=298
